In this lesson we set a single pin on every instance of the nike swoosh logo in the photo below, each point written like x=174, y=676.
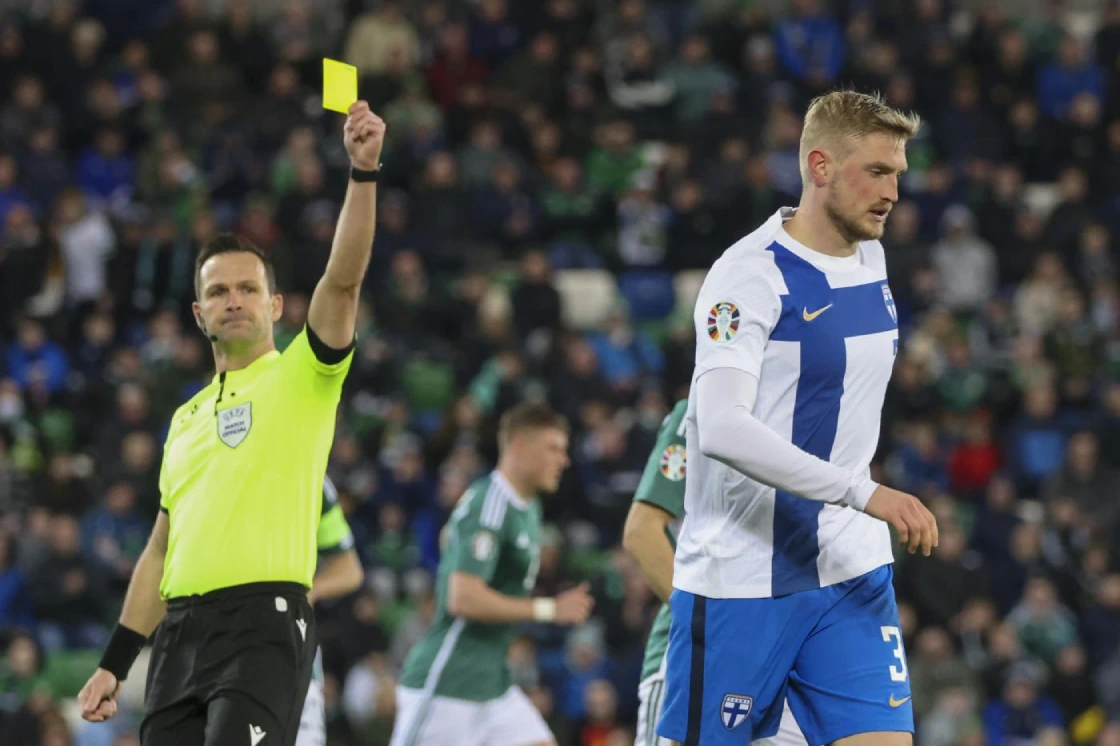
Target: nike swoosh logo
x=898, y=702
x=810, y=316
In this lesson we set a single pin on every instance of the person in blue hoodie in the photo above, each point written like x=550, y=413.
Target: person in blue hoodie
x=1023, y=711
x=810, y=44
x=15, y=601
x=1073, y=73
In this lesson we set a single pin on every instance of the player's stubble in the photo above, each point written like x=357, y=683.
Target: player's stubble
x=851, y=227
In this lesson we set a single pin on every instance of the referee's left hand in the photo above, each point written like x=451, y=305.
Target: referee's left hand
x=363, y=136
x=98, y=698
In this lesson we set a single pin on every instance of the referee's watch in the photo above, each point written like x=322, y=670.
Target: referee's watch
x=364, y=176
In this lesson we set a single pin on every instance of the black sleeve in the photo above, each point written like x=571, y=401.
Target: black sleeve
x=326, y=355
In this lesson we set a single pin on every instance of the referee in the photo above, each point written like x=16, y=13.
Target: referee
x=231, y=558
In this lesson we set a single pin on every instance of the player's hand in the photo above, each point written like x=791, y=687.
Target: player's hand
x=98, y=698
x=914, y=522
x=363, y=136
x=573, y=606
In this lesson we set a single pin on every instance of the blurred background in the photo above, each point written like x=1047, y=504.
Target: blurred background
x=558, y=175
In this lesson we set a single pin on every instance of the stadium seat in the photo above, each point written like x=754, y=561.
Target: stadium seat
x=66, y=671
x=648, y=293
x=429, y=386
x=586, y=296
x=1041, y=198
x=687, y=285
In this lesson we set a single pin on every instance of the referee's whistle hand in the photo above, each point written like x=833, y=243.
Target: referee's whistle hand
x=916, y=525
x=98, y=698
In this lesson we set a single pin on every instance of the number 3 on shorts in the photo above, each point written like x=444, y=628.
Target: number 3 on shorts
x=898, y=673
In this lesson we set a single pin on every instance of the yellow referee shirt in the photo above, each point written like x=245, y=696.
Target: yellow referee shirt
x=242, y=473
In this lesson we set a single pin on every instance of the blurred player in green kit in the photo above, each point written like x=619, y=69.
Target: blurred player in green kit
x=339, y=573
x=455, y=687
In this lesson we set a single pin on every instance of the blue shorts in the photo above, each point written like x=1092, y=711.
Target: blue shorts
x=836, y=653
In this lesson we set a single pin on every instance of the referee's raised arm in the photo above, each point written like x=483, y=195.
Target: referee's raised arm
x=334, y=304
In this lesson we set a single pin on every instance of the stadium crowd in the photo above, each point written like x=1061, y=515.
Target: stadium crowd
x=534, y=149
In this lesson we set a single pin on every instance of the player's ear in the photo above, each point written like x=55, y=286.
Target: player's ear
x=277, y=307
x=820, y=167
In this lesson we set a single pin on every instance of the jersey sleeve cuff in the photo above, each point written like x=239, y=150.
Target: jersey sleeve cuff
x=323, y=353
x=860, y=492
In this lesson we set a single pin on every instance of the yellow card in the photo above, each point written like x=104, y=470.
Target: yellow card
x=340, y=85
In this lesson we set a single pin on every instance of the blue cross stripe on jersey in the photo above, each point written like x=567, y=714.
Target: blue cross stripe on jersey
x=855, y=311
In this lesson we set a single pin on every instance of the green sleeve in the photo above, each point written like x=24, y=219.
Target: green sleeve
x=662, y=482
x=334, y=534
x=475, y=533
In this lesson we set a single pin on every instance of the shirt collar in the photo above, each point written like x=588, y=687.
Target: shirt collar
x=511, y=493
x=249, y=371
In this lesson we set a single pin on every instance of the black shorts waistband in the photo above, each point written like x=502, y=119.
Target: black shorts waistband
x=236, y=593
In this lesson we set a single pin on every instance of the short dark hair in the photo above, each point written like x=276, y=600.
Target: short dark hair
x=528, y=416
x=228, y=243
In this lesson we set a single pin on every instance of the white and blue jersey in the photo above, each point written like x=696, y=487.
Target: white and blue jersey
x=778, y=595
x=820, y=334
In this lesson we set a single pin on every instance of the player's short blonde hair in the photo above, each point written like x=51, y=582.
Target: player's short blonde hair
x=836, y=120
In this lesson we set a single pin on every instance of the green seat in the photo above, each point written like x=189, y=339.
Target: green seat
x=429, y=386
x=66, y=671
x=394, y=614
x=587, y=563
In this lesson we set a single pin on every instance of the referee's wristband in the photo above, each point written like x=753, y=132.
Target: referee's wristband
x=544, y=609
x=121, y=652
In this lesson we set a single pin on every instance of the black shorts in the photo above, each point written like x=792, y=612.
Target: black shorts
x=231, y=668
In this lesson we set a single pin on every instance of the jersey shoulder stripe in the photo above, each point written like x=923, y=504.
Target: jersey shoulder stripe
x=494, y=507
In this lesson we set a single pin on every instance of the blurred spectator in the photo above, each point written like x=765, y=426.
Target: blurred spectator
x=34, y=358
x=975, y=460
x=15, y=598
x=87, y=241
x=1092, y=485
x=965, y=263
x=1070, y=74
x=68, y=593
x=1044, y=625
x=1071, y=686
x=941, y=585
x=115, y=534
x=376, y=38
x=1023, y=712
x=810, y=45
x=1037, y=441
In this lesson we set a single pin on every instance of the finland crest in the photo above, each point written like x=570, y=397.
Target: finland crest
x=735, y=709
x=234, y=424
x=888, y=299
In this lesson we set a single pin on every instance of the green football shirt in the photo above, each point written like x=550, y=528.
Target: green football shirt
x=495, y=534
x=334, y=536
x=662, y=485
x=242, y=473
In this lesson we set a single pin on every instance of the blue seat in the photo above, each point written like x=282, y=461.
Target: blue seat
x=649, y=293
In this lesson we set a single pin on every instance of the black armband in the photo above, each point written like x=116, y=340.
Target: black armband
x=121, y=652
x=324, y=353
